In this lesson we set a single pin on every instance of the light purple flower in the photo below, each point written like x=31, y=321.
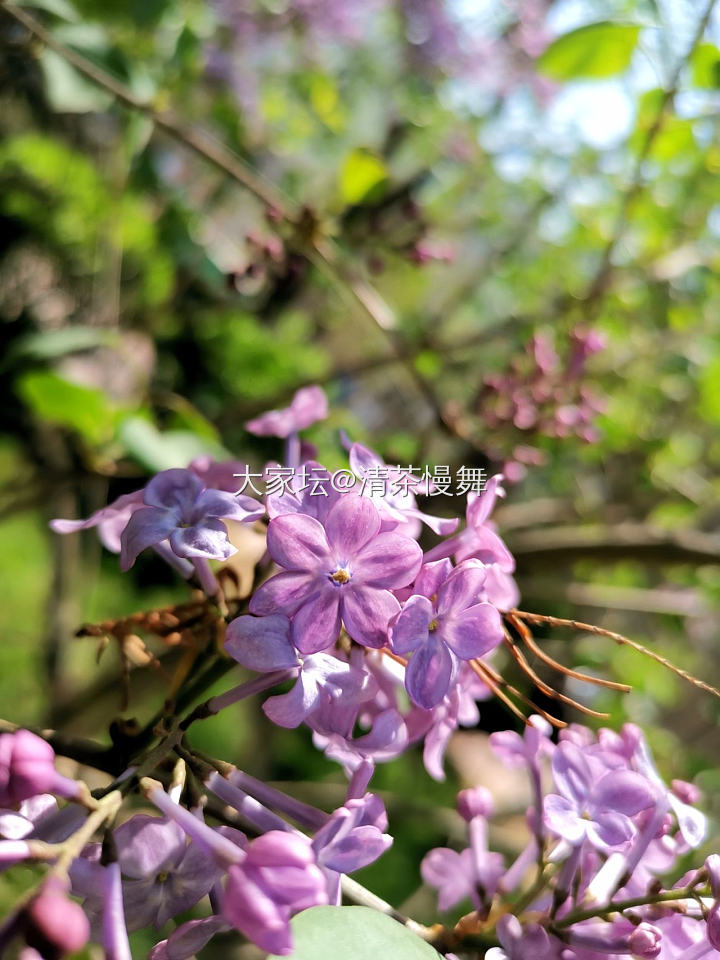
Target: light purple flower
x=110, y=520
x=277, y=878
x=163, y=874
x=438, y=633
x=343, y=570
x=460, y=876
x=179, y=508
x=328, y=692
x=519, y=943
x=354, y=835
x=395, y=498
x=307, y=407
x=480, y=541
x=188, y=939
x=597, y=809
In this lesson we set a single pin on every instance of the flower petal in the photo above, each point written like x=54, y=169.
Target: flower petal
x=429, y=674
x=298, y=542
x=261, y=643
x=316, y=625
x=474, y=632
x=174, y=489
x=390, y=560
x=145, y=527
x=462, y=588
x=410, y=627
x=366, y=612
x=283, y=593
x=218, y=503
x=208, y=539
x=351, y=524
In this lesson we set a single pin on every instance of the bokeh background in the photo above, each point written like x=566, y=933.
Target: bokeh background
x=489, y=229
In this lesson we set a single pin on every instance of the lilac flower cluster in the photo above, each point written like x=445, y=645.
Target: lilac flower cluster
x=541, y=396
x=603, y=830
x=375, y=645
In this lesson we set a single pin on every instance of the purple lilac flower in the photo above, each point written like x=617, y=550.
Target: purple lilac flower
x=340, y=571
x=518, y=942
x=188, y=939
x=163, y=875
x=277, y=878
x=387, y=739
x=179, y=508
x=395, y=500
x=110, y=521
x=352, y=838
x=595, y=807
x=328, y=692
x=480, y=541
x=454, y=626
x=307, y=407
x=436, y=726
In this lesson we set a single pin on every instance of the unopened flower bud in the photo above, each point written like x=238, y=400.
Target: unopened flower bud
x=54, y=924
x=474, y=802
x=27, y=768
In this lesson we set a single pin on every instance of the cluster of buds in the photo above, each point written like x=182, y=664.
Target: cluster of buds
x=540, y=395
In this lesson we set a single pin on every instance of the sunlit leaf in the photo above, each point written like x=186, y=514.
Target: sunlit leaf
x=354, y=933
x=67, y=90
x=594, y=51
x=361, y=173
x=52, y=398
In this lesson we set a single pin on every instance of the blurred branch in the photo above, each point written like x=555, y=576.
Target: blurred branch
x=627, y=540
x=681, y=603
x=600, y=281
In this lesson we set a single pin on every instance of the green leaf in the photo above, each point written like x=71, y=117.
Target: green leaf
x=57, y=343
x=706, y=67
x=594, y=51
x=354, y=933
x=161, y=451
x=709, y=392
x=66, y=404
x=361, y=173
x=69, y=92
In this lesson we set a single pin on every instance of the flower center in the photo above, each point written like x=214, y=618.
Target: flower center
x=433, y=625
x=342, y=575
x=162, y=877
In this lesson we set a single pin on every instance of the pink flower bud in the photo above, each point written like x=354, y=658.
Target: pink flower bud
x=27, y=767
x=54, y=922
x=474, y=802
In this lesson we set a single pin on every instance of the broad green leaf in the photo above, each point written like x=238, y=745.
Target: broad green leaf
x=354, y=933
x=161, y=451
x=594, y=51
x=361, y=173
x=69, y=92
x=58, y=343
x=58, y=401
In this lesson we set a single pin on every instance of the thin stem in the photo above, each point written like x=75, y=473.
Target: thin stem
x=619, y=906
